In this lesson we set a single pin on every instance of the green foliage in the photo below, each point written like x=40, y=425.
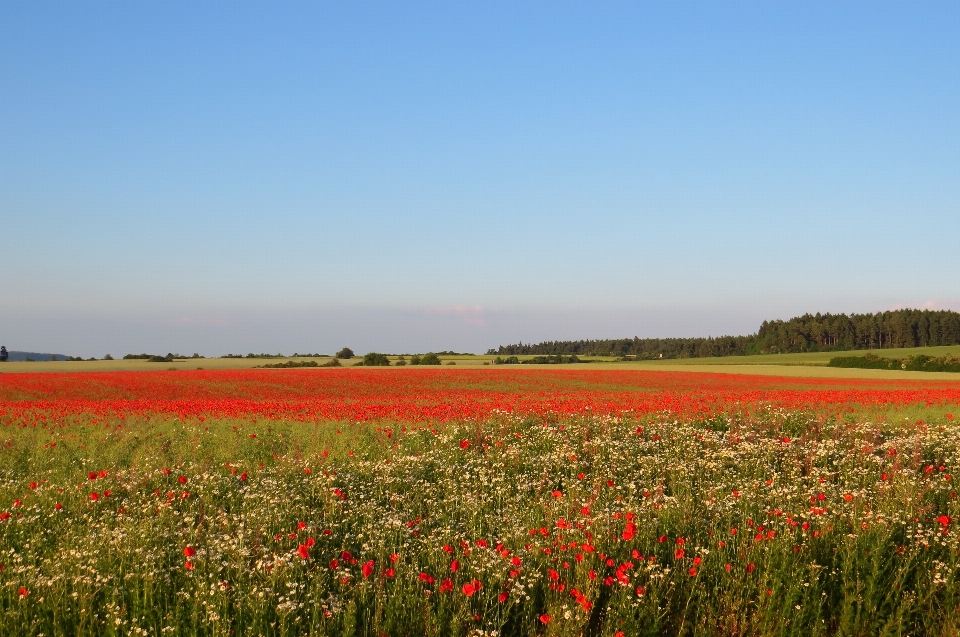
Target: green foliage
x=250, y=355
x=426, y=359
x=920, y=363
x=333, y=362
x=807, y=333
x=551, y=360
x=375, y=359
x=288, y=365
x=346, y=353
x=430, y=359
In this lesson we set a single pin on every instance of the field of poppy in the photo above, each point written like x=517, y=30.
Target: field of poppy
x=476, y=502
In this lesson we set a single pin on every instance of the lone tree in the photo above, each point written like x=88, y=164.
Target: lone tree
x=345, y=353
x=3, y=354
x=430, y=359
x=374, y=359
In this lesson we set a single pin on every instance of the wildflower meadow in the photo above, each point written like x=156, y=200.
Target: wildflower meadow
x=477, y=502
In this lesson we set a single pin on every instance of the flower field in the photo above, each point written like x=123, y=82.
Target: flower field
x=476, y=502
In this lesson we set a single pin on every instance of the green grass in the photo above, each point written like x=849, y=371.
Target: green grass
x=869, y=557
x=813, y=358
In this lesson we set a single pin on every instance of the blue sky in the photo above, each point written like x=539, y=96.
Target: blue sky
x=234, y=177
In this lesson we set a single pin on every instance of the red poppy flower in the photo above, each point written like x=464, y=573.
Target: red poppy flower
x=188, y=565
x=304, y=551
x=334, y=564
x=23, y=592
x=945, y=520
x=92, y=475
x=464, y=444
x=367, y=569
x=94, y=496
x=446, y=585
x=545, y=619
x=189, y=551
x=471, y=587
x=455, y=566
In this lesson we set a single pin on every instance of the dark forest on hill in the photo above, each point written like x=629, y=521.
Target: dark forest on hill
x=807, y=333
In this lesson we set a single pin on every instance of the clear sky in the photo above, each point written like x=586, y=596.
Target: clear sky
x=235, y=177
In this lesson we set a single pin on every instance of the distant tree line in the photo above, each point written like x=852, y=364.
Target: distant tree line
x=252, y=355
x=555, y=359
x=288, y=365
x=158, y=358
x=807, y=333
x=640, y=348
x=375, y=359
x=919, y=363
